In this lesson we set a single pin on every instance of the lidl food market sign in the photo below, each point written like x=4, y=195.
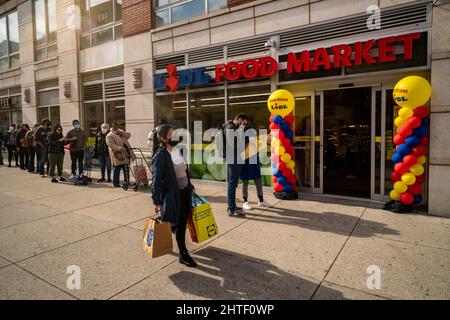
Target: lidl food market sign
x=372, y=51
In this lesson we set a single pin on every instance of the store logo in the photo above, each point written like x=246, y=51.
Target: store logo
x=150, y=238
x=172, y=80
x=211, y=230
x=179, y=79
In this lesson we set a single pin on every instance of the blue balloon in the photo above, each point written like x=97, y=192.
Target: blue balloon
x=274, y=165
x=421, y=131
x=277, y=173
x=287, y=187
x=396, y=158
x=277, y=119
x=285, y=127
x=290, y=134
x=403, y=150
x=417, y=198
x=412, y=141
x=282, y=180
x=425, y=122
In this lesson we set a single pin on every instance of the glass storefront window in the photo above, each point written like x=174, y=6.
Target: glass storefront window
x=302, y=132
x=172, y=108
x=391, y=111
x=4, y=121
x=10, y=108
x=94, y=117
x=115, y=112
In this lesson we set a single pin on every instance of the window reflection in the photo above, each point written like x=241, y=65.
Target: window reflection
x=45, y=29
x=9, y=41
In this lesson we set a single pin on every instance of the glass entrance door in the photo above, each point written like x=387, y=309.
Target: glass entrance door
x=346, y=142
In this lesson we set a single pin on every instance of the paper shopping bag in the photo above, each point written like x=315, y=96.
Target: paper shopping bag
x=157, y=239
x=202, y=225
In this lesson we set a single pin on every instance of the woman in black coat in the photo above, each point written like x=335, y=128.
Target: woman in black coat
x=172, y=189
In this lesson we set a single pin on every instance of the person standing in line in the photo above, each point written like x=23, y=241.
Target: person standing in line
x=234, y=159
x=252, y=171
x=1, y=148
x=120, y=153
x=56, y=153
x=41, y=137
x=152, y=139
x=11, y=146
x=32, y=148
x=22, y=145
x=101, y=151
x=172, y=189
x=77, y=139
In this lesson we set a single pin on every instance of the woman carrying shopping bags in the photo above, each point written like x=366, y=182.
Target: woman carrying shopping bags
x=172, y=189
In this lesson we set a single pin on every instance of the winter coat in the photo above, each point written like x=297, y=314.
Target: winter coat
x=101, y=148
x=9, y=137
x=165, y=190
x=119, y=148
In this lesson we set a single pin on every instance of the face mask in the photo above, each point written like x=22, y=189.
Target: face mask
x=104, y=131
x=173, y=143
x=77, y=126
x=11, y=128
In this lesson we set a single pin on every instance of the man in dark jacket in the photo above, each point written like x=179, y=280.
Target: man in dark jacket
x=22, y=146
x=41, y=137
x=10, y=142
x=101, y=152
x=234, y=142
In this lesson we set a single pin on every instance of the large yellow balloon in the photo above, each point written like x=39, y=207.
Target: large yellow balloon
x=422, y=160
x=408, y=179
x=405, y=113
x=400, y=187
x=412, y=92
x=281, y=150
x=286, y=157
x=394, y=195
x=281, y=102
x=290, y=164
x=417, y=169
x=399, y=121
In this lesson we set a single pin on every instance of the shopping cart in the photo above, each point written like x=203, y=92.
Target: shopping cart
x=140, y=169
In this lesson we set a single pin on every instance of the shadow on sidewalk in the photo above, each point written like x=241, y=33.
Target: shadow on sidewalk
x=234, y=276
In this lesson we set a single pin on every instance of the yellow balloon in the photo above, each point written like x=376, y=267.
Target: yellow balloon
x=290, y=164
x=405, y=113
x=422, y=160
x=417, y=169
x=400, y=187
x=281, y=102
x=399, y=121
x=281, y=150
x=293, y=171
x=286, y=157
x=394, y=195
x=412, y=92
x=408, y=179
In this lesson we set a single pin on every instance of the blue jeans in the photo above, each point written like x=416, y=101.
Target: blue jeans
x=105, y=163
x=234, y=171
x=43, y=159
x=116, y=175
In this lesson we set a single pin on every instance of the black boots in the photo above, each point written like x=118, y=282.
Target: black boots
x=186, y=259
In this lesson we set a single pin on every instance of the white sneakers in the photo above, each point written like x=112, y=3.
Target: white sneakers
x=263, y=204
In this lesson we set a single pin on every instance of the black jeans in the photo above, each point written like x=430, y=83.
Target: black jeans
x=12, y=152
x=186, y=208
x=31, y=157
x=77, y=156
x=23, y=158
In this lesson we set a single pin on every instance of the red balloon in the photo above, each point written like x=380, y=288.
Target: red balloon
x=420, y=179
x=274, y=179
x=401, y=168
x=292, y=180
x=410, y=160
x=281, y=166
x=271, y=118
x=424, y=141
x=274, y=126
x=280, y=135
x=278, y=187
x=415, y=188
x=398, y=139
x=414, y=122
x=405, y=130
x=287, y=173
x=285, y=141
x=421, y=112
x=419, y=150
x=407, y=198
x=289, y=118
x=395, y=176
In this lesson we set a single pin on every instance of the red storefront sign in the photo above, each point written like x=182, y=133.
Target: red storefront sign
x=249, y=69
x=360, y=52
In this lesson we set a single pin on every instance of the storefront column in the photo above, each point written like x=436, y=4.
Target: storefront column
x=68, y=71
x=27, y=76
x=439, y=169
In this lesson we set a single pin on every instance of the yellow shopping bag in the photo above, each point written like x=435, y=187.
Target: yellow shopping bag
x=202, y=225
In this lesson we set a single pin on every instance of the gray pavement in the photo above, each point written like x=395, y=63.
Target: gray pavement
x=312, y=248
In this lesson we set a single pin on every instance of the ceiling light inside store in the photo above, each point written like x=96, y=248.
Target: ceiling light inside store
x=248, y=102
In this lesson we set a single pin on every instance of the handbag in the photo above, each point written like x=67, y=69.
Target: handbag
x=201, y=224
x=157, y=239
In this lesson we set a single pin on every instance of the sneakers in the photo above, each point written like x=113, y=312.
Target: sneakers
x=62, y=179
x=101, y=180
x=264, y=204
x=246, y=206
x=237, y=212
x=54, y=180
x=186, y=259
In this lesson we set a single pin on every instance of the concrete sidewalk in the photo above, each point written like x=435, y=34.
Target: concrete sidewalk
x=304, y=249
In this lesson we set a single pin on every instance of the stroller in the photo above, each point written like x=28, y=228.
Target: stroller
x=85, y=179
x=140, y=168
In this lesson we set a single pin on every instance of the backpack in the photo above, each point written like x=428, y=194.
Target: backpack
x=221, y=142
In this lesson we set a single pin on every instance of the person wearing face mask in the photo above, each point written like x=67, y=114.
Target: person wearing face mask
x=23, y=145
x=101, y=152
x=41, y=137
x=77, y=139
x=11, y=146
x=56, y=152
x=234, y=142
x=172, y=189
x=121, y=154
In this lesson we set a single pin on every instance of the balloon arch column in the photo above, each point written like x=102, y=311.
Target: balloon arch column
x=411, y=141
